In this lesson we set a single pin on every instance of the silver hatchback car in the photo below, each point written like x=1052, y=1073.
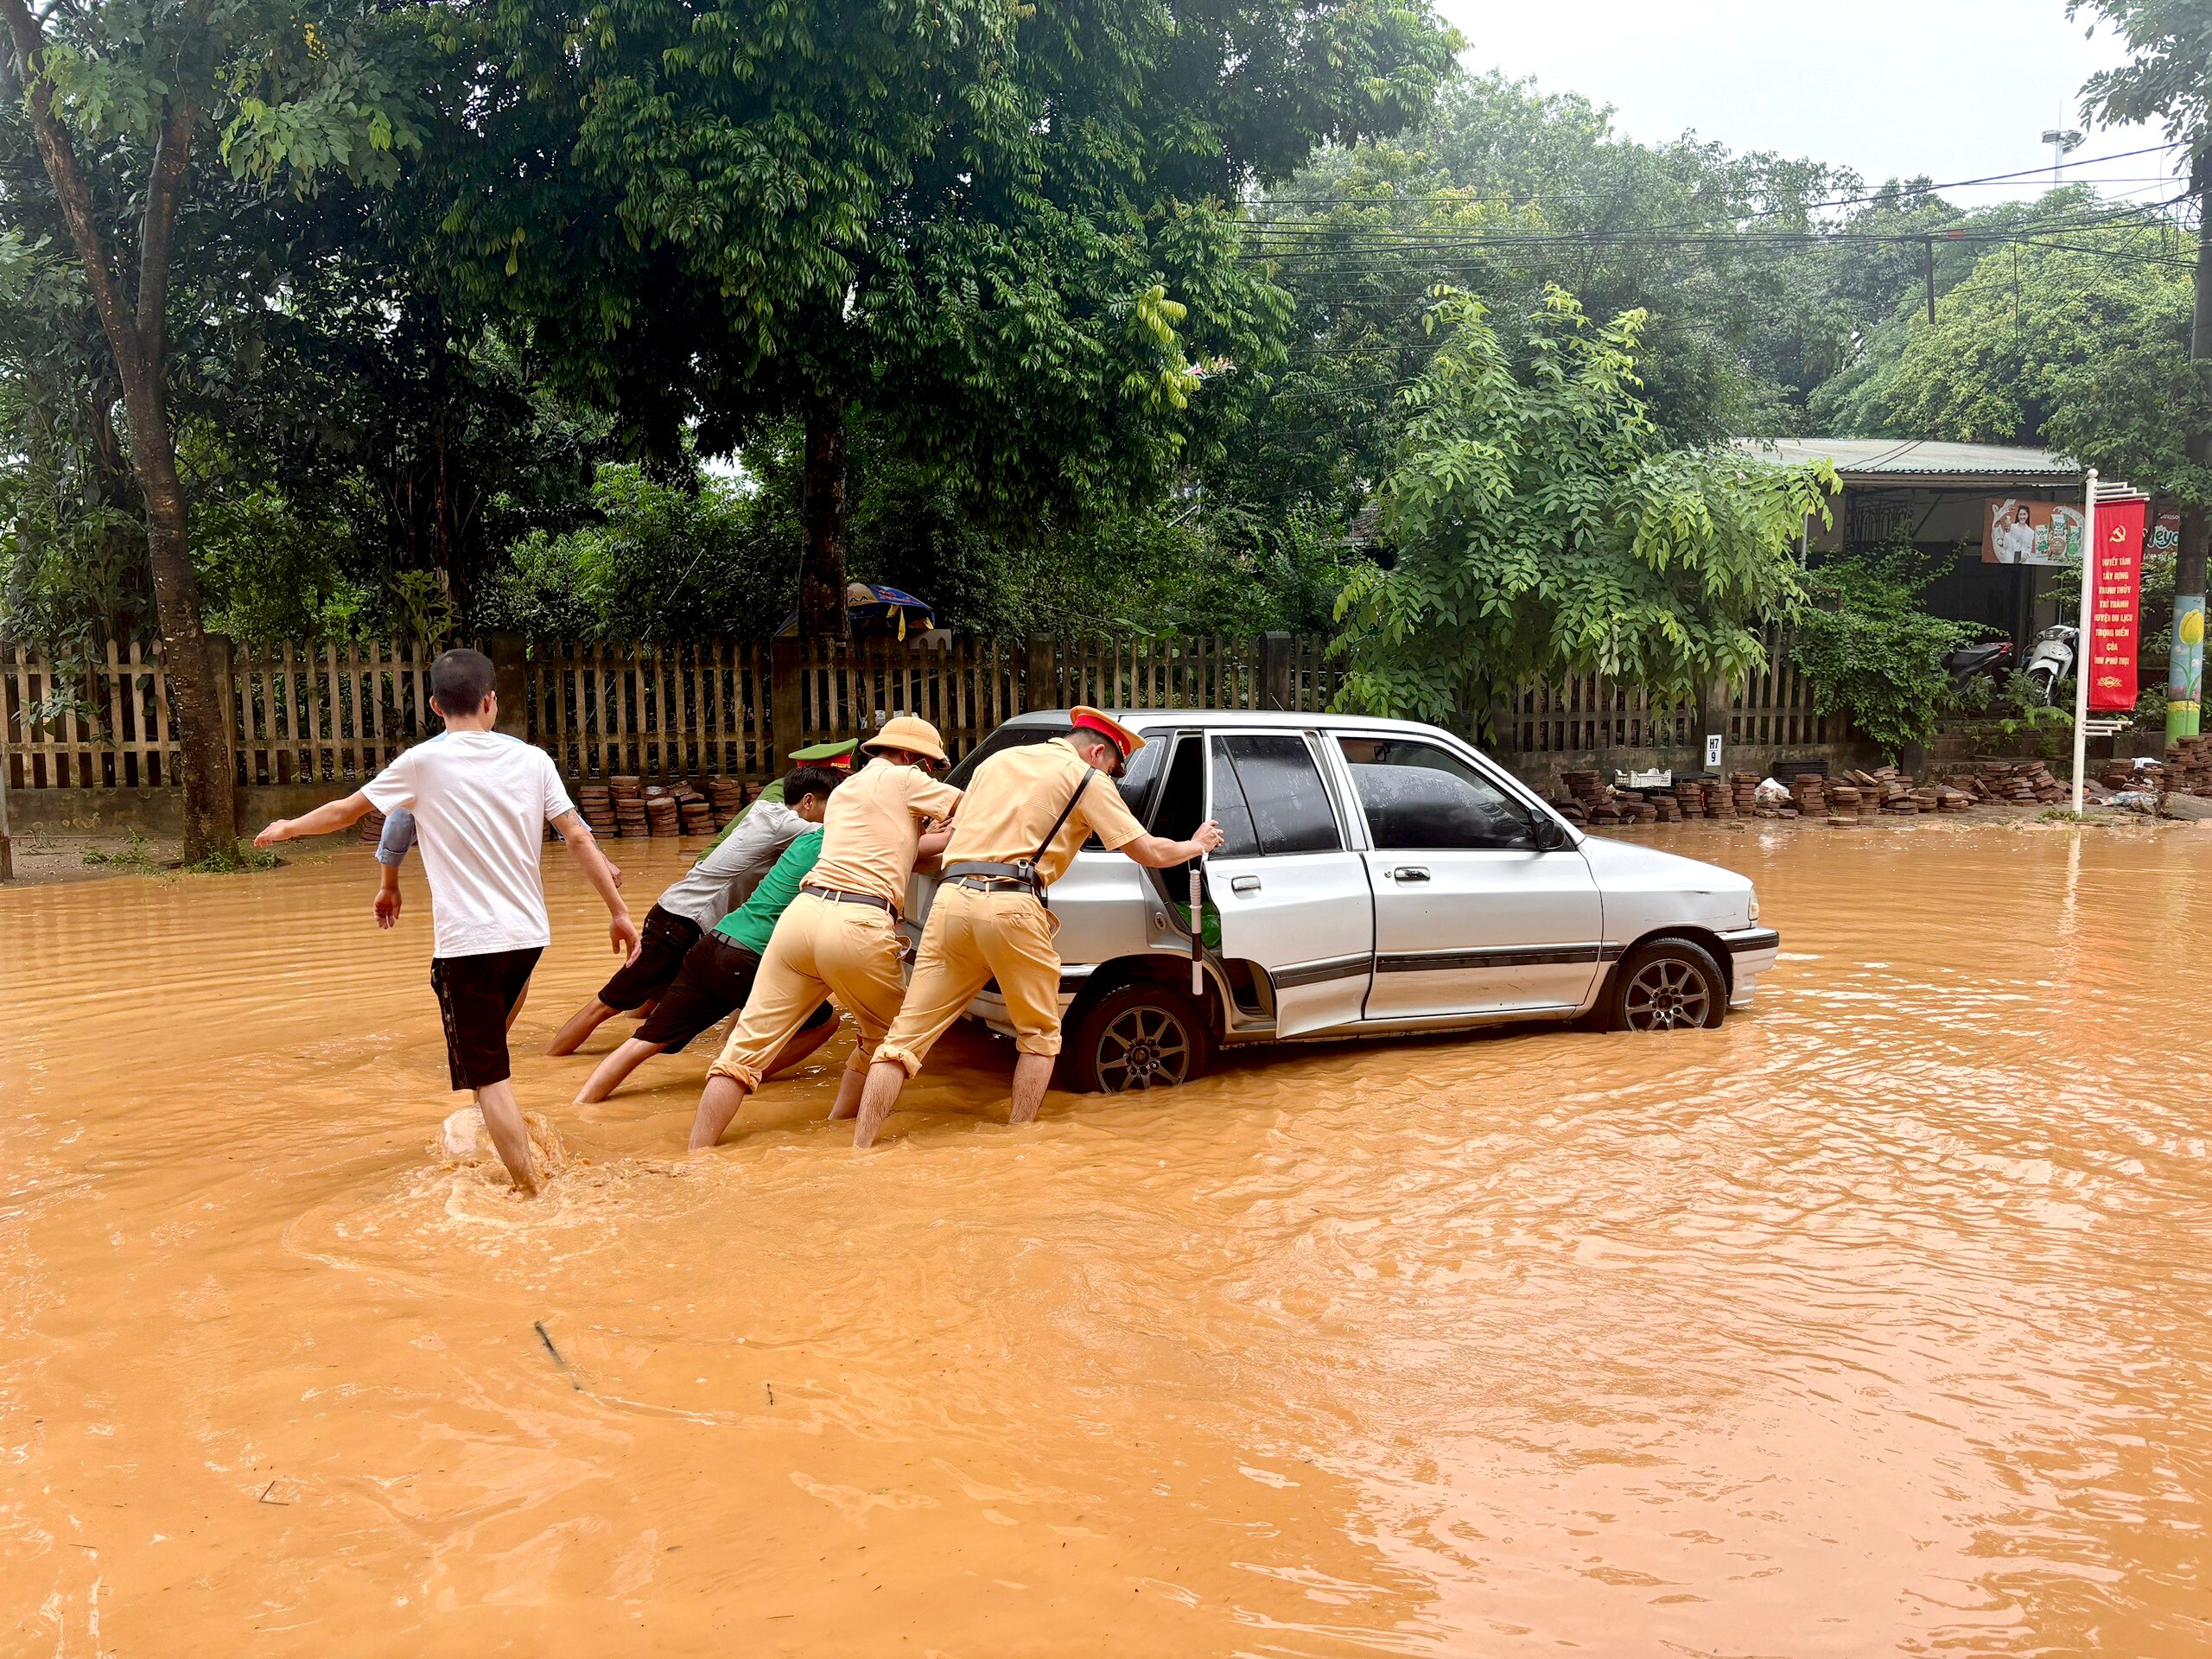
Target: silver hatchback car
x=1378, y=876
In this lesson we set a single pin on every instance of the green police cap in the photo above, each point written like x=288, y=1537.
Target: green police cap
x=826, y=754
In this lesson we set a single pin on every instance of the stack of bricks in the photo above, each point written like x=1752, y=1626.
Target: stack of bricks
x=627, y=791
x=725, y=799
x=597, y=805
x=2024, y=783
x=1810, y=791
x=2187, y=770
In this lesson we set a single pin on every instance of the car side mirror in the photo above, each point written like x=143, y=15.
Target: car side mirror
x=1549, y=837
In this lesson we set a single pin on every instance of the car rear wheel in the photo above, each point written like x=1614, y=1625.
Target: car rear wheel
x=1668, y=985
x=1143, y=1036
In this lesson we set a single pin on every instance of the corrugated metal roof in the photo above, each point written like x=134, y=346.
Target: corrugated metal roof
x=1907, y=458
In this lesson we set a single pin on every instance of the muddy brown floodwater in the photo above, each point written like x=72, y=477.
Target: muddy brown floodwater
x=1874, y=1323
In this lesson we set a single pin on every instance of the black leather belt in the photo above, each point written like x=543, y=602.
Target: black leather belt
x=838, y=896
x=979, y=876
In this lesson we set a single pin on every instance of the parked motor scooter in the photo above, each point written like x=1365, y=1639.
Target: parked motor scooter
x=2050, y=659
x=1992, y=659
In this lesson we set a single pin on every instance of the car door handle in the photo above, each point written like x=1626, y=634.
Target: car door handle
x=1409, y=873
x=1243, y=884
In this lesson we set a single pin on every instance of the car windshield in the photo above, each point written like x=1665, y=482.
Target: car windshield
x=1135, y=782
x=1007, y=737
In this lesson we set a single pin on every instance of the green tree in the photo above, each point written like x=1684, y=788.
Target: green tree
x=1508, y=189
x=128, y=104
x=2045, y=342
x=1538, y=528
x=1006, y=234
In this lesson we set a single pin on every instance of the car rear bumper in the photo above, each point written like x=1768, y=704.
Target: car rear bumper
x=1753, y=952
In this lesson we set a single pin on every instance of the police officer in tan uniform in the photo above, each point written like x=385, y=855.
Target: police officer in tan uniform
x=840, y=936
x=1026, y=812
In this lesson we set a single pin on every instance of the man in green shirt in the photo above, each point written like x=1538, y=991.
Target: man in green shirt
x=718, y=971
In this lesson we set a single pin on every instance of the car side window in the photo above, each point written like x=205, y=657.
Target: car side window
x=1269, y=797
x=1418, y=795
x=1181, y=804
x=1138, y=778
x=1230, y=810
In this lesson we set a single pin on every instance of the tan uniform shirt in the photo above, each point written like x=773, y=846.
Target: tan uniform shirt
x=1015, y=795
x=873, y=824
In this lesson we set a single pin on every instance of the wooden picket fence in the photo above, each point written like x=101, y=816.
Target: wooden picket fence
x=328, y=714
x=964, y=689
x=334, y=713
x=689, y=711
x=100, y=723
x=1776, y=707
x=692, y=710
x=1773, y=708
x=1590, y=712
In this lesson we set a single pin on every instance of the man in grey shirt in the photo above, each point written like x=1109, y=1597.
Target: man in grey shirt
x=716, y=885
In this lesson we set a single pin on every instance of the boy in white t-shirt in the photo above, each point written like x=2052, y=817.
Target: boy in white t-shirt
x=481, y=802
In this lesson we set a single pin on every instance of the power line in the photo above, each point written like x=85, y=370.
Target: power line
x=1894, y=189
x=1300, y=245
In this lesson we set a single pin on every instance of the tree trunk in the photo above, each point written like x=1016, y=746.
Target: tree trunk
x=136, y=336
x=2185, y=672
x=821, y=613
x=199, y=700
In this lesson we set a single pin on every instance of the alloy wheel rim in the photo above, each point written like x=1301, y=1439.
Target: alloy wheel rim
x=1143, y=1048
x=1668, y=994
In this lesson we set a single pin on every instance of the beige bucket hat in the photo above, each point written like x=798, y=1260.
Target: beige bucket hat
x=907, y=732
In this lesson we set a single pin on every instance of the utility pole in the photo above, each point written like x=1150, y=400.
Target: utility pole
x=2063, y=141
x=2185, y=675
x=7, y=841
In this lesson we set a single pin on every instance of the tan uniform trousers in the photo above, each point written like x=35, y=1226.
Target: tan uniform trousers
x=820, y=948
x=972, y=937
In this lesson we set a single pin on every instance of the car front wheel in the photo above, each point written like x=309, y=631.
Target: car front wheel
x=1667, y=985
x=1143, y=1036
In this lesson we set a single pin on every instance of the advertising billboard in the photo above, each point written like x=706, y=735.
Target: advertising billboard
x=2030, y=532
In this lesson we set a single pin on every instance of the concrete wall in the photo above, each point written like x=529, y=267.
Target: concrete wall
x=150, y=811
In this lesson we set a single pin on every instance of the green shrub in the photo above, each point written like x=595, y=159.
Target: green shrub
x=1870, y=650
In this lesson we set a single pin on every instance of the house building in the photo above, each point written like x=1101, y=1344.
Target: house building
x=1944, y=498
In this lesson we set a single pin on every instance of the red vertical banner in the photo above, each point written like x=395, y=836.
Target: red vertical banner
x=2114, y=607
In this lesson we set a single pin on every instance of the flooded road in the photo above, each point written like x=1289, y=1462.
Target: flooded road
x=1873, y=1323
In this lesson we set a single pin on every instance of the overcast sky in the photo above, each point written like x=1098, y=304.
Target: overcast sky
x=1954, y=89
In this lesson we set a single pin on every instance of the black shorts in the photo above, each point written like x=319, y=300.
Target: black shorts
x=476, y=997
x=661, y=944
x=716, y=978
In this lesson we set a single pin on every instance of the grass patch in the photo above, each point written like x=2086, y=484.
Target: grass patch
x=239, y=858
x=134, y=857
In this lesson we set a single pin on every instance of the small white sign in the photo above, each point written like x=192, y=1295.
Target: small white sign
x=1712, y=750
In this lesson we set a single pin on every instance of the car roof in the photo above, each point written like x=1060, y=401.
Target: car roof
x=1150, y=720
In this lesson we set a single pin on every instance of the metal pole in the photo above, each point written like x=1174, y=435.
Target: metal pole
x=1198, y=933
x=7, y=836
x=2081, y=640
